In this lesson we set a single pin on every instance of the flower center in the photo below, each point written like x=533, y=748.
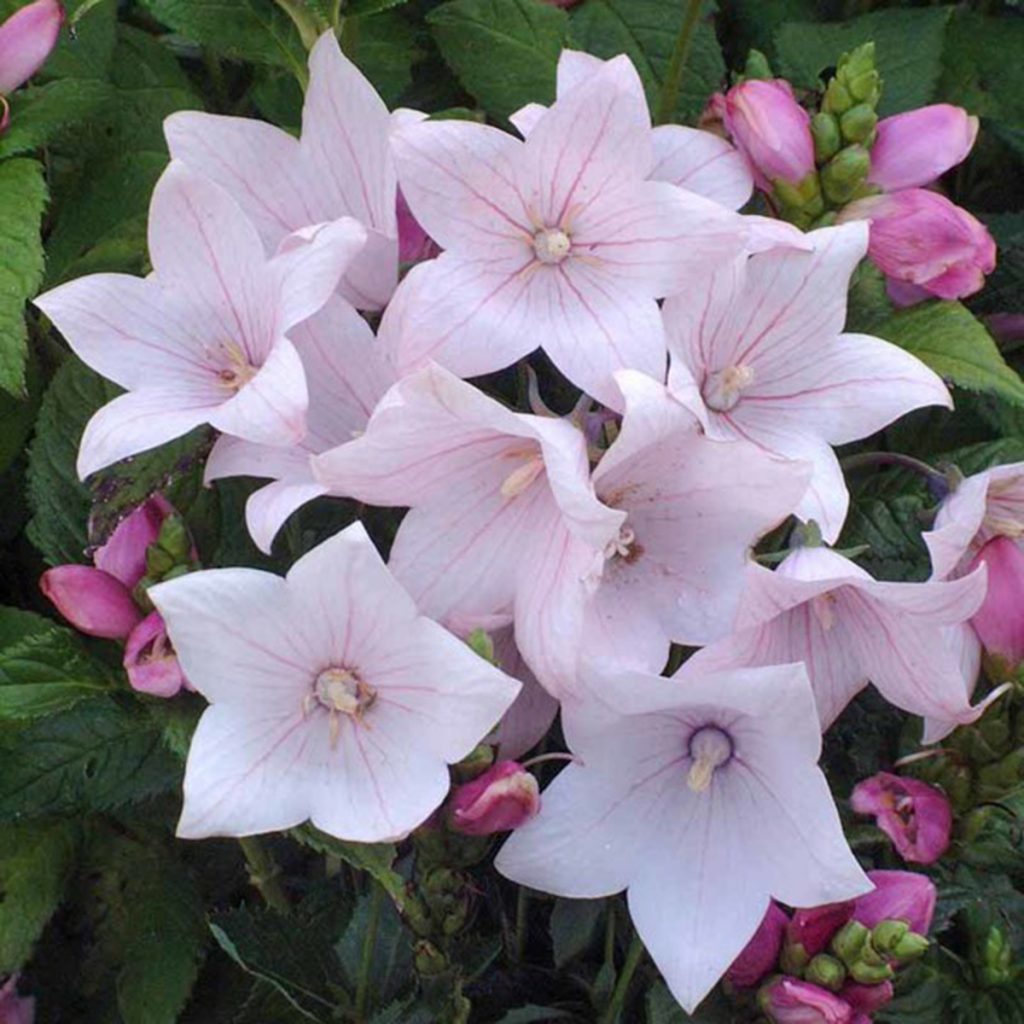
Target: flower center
x=238, y=371
x=710, y=749
x=341, y=692
x=722, y=390
x=551, y=245
x=824, y=608
x=523, y=475
x=623, y=546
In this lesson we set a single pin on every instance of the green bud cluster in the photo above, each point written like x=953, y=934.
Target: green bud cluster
x=168, y=557
x=868, y=955
x=997, y=958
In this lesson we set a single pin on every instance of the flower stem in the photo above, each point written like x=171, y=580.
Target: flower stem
x=865, y=459
x=522, y=923
x=263, y=873
x=369, y=944
x=618, y=1000
x=673, y=82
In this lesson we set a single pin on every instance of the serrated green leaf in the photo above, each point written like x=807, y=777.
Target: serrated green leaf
x=359, y=8
x=44, y=668
x=21, y=269
x=86, y=52
x=376, y=859
x=387, y=46
x=910, y=74
x=646, y=31
x=42, y=113
x=35, y=862
x=96, y=756
x=946, y=337
x=891, y=529
x=504, y=52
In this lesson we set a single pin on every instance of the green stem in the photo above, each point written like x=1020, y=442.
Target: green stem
x=521, y=924
x=263, y=873
x=865, y=459
x=670, y=88
x=369, y=945
x=618, y=1000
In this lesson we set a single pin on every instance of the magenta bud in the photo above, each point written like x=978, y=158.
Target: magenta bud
x=999, y=622
x=124, y=554
x=917, y=817
x=788, y=1001
x=414, y=244
x=897, y=896
x=91, y=600
x=503, y=798
x=813, y=928
x=866, y=999
x=15, y=1009
x=925, y=244
x=26, y=39
x=771, y=130
x=150, y=661
x=915, y=148
x=761, y=954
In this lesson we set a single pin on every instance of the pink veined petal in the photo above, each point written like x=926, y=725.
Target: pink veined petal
x=945, y=603
x=595, y=138
x=458, y=178
x=652, y=235
x=138, y=421
x=202, y=245
x=346, y=139
x=966, y=648
x=764, y=233
x=271, y=407
x=267, y=509
x=591, y=326
x=247, y=772
x=915, y=148
x=957, y=524
x=577, y=66
x=470, y=316
x=231, y=456
x=310, y=264
x=525, y=119
x=702, y=163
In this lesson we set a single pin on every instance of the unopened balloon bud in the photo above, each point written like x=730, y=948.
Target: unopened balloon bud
x=826, y=135
x=826, y=971
x=858, y=123
x=845, y=173
x=502, y=798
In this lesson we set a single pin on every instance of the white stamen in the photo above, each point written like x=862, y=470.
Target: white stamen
x=824, y=608
x=522, y=476
x=621, y=546
x=551, y=245
x=722, y=390
x=238, y=371
x=341, y=692
x=710, y=748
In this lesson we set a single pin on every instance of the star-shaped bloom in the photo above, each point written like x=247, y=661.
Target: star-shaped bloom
x=331, y=698
x=558, y=241
x=347, y=376
x=203, y=338
x=850, y=629
x=481, y=482
x=700, y=796
x=692, y=508
x=978, y=509
x=341, y=166
x=757, y=352
x=699, y=161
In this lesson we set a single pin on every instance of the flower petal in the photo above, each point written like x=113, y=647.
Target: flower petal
x=915, y=148
x=703, y=163
x=269, y=508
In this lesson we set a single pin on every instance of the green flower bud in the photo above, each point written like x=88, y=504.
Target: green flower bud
x=865, y=88
x=837, y=98
x=845, y=172
x=997, y=958
x=870, y=974
x=827, y=140
x=794, y=958
x=850, y=942
x=429, y=960
x=826, y=220
x=886, y=935
x=826, y=971
x=158, y=562
x=858, y=123
x=910, y=947
x=174, y=538
x=757, y=66
x=481, y=643
x=995, y=728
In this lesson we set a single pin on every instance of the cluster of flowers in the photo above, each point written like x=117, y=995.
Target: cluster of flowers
x=585, y=546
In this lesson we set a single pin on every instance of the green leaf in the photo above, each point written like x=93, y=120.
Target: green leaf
x=86, y=52
x=533, y=1014
x=44, y=669
x=96, y=756
x=646, y=31
x=35, y=862
x=573, y=926
x=505, y=52
x=663, y=1009
x=376, y=859
x=21, y=269
x=892, y=531
x=60, y=502
x=386, y=48
x=391, y=965
x=910, y=73
x=946, y=337
x=43, y=113
x=251, y=30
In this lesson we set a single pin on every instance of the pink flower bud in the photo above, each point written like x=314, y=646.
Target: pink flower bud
x=919, y=238
x=504, y=797
x=813, y=928
x=915, y=816
x=761, y=954
x=13, y=1008
x=999, y=622
x=91, y=600
x=866, y=999
x=897, y=896
x=124, y=554
x=150, y=661
x=414, y=244
x=915, y=148
x=26, y=39
x=787, y=1001
x=771, y=130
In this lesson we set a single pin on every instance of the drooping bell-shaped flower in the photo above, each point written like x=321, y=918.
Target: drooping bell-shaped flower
x=203, y=339
x=501, y=799
x=331, y=698
x=346, y=376
x=684, y=790
x=821, y=609
x=340, y=167
x=917, y=817
x=559, y=241
x=758, y=353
